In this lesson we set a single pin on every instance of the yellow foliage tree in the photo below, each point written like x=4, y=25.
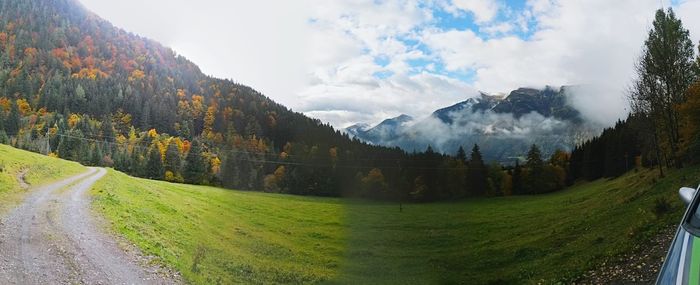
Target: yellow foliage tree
x=137, y=75
x=73, y=120
x=23, y=107
x=215, y=165
x=5, y=104
x=152, y=133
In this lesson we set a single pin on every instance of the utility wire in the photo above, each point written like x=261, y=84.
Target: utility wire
x=277, y=162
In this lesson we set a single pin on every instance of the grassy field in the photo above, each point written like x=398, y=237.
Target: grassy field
x=220, y=236
x=39, y=169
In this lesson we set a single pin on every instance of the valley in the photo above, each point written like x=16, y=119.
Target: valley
x=124, y=162
x=212, y=235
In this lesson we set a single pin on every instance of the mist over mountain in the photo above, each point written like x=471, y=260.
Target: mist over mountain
x=504, y=126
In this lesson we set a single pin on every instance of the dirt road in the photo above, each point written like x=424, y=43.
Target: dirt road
x=52, y=238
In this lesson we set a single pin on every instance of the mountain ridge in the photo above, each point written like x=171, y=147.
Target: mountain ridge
x=502, y=116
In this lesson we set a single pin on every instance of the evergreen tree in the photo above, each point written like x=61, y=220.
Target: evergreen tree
x=96, y=157
x=172, y=159
x=535, y=169
x=517, y=179
x=135, y=164
x=230, y=175
x=107, y=129
x=12, y=122
x=461, y=155
x=195, y=167
x=79, y=99
x=154, y=164
x=431, y=174
x=478, y=175
x=4, y=139
x=2, y=120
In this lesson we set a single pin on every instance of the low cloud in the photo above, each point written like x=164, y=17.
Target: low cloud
x=599, y=104
x=501, y=136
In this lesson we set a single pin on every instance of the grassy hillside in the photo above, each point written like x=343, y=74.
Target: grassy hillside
x=39, y=170
x=221, y=236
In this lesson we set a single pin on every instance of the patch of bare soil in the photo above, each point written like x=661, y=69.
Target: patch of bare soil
x=20, y=178
x=640, y=266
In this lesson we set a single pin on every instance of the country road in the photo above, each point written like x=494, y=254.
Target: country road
x=52, y=238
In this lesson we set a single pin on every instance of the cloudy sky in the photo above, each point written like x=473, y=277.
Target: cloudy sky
x=363, y=61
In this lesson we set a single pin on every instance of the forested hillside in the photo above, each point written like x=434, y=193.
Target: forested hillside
x=103, y=96
x=74, y=86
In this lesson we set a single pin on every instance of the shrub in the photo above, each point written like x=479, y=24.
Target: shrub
x=662, y=206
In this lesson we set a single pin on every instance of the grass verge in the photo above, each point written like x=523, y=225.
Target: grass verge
x=39, y=169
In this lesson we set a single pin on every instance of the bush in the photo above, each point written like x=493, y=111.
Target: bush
x=662, y=206
x=172, y=177
x=4, y=139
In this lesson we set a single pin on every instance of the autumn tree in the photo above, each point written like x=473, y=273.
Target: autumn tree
x=273, y=182
x=374, y=184
x=664, y=73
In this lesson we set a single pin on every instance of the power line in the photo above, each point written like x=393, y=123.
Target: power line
x=144, y=144
x=141, y=145
x=332, y=165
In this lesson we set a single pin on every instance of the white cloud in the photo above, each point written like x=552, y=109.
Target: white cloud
x=688, y=12
x=483, y=10
x=576, y=42
x=319, y=57
x=263, y=43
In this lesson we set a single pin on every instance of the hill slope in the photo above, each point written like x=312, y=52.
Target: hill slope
x=213, y=236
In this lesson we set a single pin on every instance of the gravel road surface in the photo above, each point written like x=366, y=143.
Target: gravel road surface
x=53, y=238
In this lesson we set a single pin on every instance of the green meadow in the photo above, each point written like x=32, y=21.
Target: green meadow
x=213, y=235
x=217, y=236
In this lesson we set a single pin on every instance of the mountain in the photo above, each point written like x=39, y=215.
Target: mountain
x=388, y=129
x=547, y=102
x=482, y=103
x=503, y=126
